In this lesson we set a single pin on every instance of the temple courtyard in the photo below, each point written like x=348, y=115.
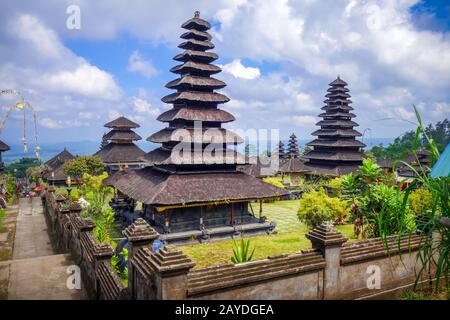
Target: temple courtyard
x=289, y=237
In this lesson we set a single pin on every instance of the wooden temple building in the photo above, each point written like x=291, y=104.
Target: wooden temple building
x=121, y=151
x=336, y=151
x=420, y=161
x=54, y=173
x=192, y=190
x=3, y=147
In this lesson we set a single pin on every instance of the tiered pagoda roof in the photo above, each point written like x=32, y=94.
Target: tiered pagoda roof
x=335, y=151
x=121, y=148
x=281, y=151
x=195, y=101
x=55, y=165
x=207, y=169
x=293, y=146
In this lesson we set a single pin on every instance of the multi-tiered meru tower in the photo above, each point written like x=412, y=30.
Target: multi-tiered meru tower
x=192, y=188
x=121, y=150
x=336, y=151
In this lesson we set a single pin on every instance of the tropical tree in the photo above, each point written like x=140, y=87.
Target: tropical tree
x=78, y=166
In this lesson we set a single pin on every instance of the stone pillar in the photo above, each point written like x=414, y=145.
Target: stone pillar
x=102, y=254
x=170, y=267
x=329, y=241
x=139, y=234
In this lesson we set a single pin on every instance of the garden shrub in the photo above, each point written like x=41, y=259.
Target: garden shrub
x=317, y=207
x=273, y=181
x=420, y=200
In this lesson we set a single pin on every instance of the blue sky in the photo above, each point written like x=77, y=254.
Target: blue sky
x=277, y=59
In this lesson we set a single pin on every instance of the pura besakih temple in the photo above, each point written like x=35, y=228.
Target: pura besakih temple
x=192, y=189
x=121, y=151
x=3, y=147
x=336, y=151
x=54, y=172
x=420, y=161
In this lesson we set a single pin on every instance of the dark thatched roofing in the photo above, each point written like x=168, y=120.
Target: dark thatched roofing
x=199, y=56
x=195, y=96
x=188, y=81
x=259, y=167
x=196, y=114
x=122, y=135
x=196, y=23
x=154, y=187
x=420, y=161
x=195, y=67
x=3, y=146
x=120, y=153
x=334, y=123
x=206, y=136
x=56, y=164
x=197, y=45
x=59, y=159
x=122, y=122
x=293, y=165
x=338, y=82
x=337, y=114
x=335, y=155
x=385, y=163
x=161, y=156
x=336, y=143
x=197, y=35
x=337, y=133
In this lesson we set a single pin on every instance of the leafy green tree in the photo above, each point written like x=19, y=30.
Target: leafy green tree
x=77, y=167
x=19, y=168
x=403, y=145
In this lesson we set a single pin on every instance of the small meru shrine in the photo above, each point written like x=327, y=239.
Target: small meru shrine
x=191, y=189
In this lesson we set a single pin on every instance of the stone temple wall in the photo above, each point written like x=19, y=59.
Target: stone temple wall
x=332, y=269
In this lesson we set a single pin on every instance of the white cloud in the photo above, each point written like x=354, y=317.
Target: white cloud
x=304, y=120
x=236, y=69
x=86, y=80
x=142, y=106
x=137, y=63
x=51, y=123
x=405, y=114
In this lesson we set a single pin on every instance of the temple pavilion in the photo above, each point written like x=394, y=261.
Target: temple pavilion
x=192, y=189
x=336, y=151
x=54, y=172
x=121, y=151
x=3, y=147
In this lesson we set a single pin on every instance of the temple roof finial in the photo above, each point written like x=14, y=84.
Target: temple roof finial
x=197, y=14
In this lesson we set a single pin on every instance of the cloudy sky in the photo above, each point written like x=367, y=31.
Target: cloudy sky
x=277, y=56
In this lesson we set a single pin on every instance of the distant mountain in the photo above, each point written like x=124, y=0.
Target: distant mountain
x=87, y=147
x=80, y=148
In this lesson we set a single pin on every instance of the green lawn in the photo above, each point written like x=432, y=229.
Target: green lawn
x=290, y=237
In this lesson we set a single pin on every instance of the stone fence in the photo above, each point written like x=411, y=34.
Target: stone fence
x=332, y=269
x=72, y=233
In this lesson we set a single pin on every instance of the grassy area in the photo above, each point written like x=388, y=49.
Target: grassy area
x=290, y=237
x=2, y=216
